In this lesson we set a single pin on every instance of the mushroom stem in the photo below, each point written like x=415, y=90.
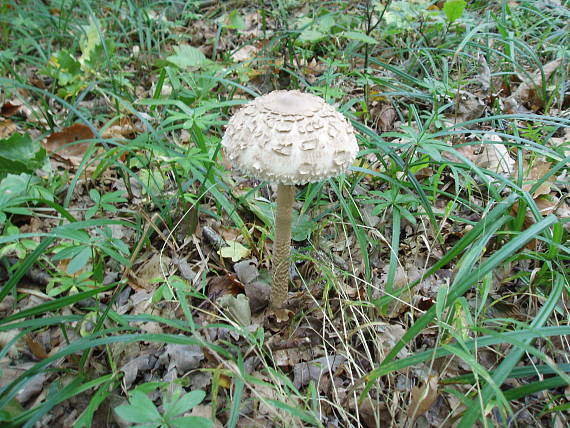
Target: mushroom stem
x=282, y=244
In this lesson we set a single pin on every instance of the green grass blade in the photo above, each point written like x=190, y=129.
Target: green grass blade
x=512, y=359
x=459, y=288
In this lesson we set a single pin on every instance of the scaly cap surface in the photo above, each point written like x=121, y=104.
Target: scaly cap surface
x=290, y=137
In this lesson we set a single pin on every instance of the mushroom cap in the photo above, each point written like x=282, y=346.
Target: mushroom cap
x=290, y=137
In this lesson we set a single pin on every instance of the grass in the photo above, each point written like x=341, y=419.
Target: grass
x=433, y=277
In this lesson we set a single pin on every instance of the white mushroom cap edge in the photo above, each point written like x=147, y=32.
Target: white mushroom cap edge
x=290, y=137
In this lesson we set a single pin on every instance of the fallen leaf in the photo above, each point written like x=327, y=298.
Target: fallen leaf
x=468, y=106
x=246, y=270
x=546, y=204
x=35, y=347
x=423, y=397
x=237, y=308
x=372, y=413
x=7, y=128
x=484, y=76
x=5, y=338
x=384, y=115
x=563, y=211
x=259, y=293
x=142, y=363
x=147, y=275
x=69, y=144
x=125, y=128
x=205, y=411
x=304, y=372
x=495, y=157
x=221, y=285
x=6, y=308
x=533, y=173
x=389, y=335
x=491, y=155
x=10, y=109
x=184, y=268
x=263, y=391
x=234, y=251
x=184, y=357
x=31, y=388
x=245, y=53
x=529, y=90
x=213, y=237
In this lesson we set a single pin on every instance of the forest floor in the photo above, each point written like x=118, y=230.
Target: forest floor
x=429, y=284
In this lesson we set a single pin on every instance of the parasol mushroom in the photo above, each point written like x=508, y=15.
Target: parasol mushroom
x=288, y=138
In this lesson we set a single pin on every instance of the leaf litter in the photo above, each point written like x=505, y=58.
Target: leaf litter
x=333, y=342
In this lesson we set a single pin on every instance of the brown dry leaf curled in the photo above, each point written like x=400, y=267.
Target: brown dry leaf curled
x=10, y=109
x=68, y=144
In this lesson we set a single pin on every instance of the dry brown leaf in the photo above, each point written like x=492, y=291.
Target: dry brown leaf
x=35, y=347
x=470, y=151
x=313, y=68
x=389, y=335
x=68, y=144
x=125, y=128
x=304, y=372
x=33, y=387
x=495, y=157
x=467, y=107
x=64, y=263
x=147, y=274
x=245, y=53
x=423, y=397
x=563, y=211
x=253, y=25
x=402, y=277
x=219, y=286
x=6, y=308
x=528, y=91
x=484, y=76
x=532, y=174
x=263, y=392
x=372, y=413
x=184, y=357
x=246, y=270
x=492, y=155
x=205, y=411
x=546, y=204
x=142, y=364
x=257, y=291
x=384, y=115
x=10, y=109
x=5, y=338
x=7, y=128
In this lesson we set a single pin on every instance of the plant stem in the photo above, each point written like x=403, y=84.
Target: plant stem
x=282, y=244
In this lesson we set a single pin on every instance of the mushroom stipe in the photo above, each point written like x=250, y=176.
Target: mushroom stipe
x=288, y=138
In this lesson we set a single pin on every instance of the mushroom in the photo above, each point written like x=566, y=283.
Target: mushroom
x=288, y=138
